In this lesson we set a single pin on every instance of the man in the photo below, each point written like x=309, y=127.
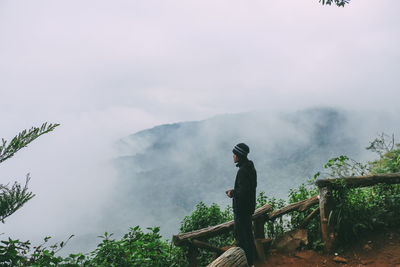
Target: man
x=244, y=200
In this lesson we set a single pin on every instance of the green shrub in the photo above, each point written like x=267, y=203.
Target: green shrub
x=18, y=253
x=202, y=217
x=276, y=228
x=135, y=248
x=360, y=210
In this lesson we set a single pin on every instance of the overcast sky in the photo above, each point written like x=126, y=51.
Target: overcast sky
x=141, y=63
x=106, y=69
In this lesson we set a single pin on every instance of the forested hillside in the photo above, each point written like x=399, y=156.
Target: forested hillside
x=165, y=171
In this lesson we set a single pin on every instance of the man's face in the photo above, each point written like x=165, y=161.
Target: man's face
x=235, y=158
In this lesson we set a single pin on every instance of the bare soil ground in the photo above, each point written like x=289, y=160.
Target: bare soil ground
x=377, y=249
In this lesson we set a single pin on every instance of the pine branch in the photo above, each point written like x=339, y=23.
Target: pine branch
x=337, y=2
x=23, y=139
x=14, y=197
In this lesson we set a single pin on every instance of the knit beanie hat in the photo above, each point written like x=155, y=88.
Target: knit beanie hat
x=241, y=150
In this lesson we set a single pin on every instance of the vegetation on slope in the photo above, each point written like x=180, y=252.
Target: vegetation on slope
x=357, y=211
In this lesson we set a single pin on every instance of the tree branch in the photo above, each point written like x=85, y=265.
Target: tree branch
x=337, y=2
x=23, y=139
x=14, y=197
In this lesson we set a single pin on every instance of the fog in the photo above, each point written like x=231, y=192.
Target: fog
x=165, y=171
x=105, y=70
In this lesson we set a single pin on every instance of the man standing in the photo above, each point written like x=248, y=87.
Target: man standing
x=244, y=201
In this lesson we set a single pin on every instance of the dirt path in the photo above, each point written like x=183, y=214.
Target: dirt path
x=378, y=250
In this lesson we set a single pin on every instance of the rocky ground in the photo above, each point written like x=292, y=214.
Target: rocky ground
x=376, y=249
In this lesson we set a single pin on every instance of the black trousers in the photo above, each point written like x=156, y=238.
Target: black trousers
x=244, y=235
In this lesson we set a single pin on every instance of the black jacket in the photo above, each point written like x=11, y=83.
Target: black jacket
x=244, y=192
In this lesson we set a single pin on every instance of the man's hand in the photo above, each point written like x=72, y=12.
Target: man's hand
x=229, y=193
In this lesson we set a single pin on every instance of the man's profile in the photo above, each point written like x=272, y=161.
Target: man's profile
x=244, y=200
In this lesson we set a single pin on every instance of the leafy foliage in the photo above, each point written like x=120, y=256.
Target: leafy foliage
x=203, y=217
x=275, y=228
x=12, y=252
x=358, y=210
x=303, y=192
x=18, y=253
x=389, y=153
x=343, y=166
x=135, y=248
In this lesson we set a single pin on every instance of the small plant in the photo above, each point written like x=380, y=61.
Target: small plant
x=277, y=227
x=389, y=155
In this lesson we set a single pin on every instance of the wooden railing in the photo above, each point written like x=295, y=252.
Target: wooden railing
x=326, y=205
x=197, y=239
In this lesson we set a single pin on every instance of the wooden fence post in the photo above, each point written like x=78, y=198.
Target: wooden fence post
x=325, y=207
x=259, y=236
x=259, y=228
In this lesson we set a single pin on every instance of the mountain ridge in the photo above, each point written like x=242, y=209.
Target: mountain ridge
x=165, y=171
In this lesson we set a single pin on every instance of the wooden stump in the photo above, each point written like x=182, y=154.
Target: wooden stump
x=232, y=257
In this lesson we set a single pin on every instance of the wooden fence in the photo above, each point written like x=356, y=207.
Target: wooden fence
x=326, y=205
x=197, y=239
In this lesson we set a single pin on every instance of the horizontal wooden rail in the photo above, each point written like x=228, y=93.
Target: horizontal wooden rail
x=208, y=232
x=262, y=211
x=212, y=231
x=217, y=229
x=258, y=214
x=298, y=206
x=361, y=181
x=259, y=217
x=309, y=217
x=263, y=214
